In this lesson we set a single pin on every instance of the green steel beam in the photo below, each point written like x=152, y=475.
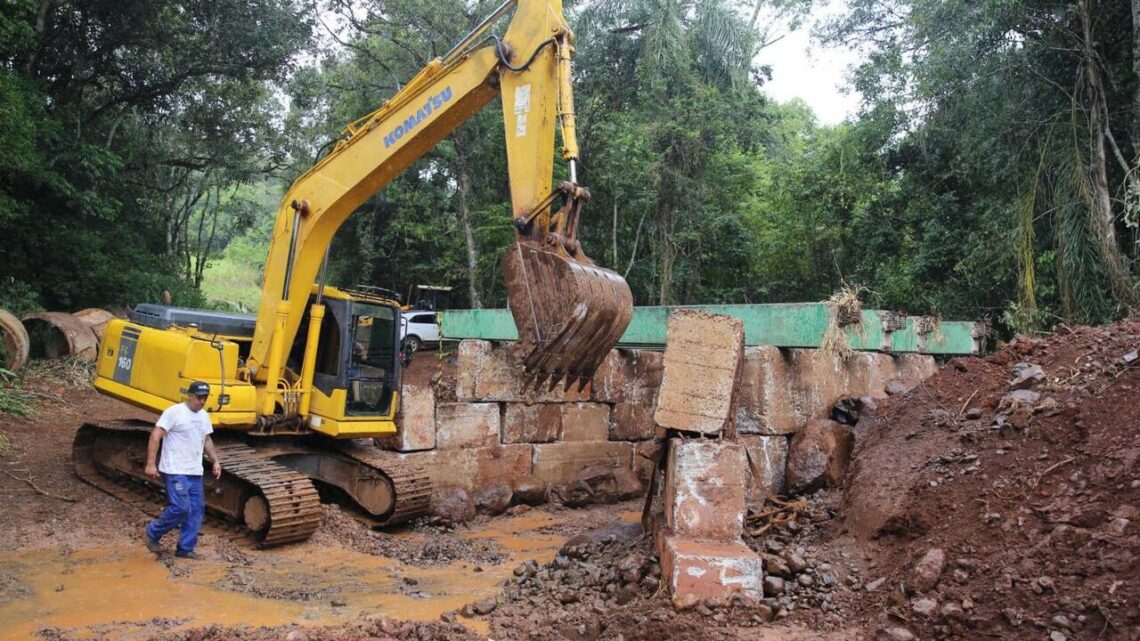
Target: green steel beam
x=784, y=325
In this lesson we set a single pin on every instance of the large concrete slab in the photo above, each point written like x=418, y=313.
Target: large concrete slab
x=702, y=364
x=477, y=467
x=463, y=425
x=415, y=422
x=629, y=376
x=705, y=489
x=769, y=460
x=534, y=423
x=782, y=389
x=486, y=372
x=585, y=422
x=710, y=572
x=559, y=462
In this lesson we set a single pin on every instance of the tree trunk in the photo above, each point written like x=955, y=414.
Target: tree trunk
x=464, y=180
x=1135, y=133
x=667, y=251
x=1101, y=216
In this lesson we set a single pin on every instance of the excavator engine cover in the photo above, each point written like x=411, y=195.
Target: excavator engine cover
x=569, y=312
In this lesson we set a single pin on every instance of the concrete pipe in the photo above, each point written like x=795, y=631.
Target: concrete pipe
x=15, y=342
x=95, y=318
x=56, y=334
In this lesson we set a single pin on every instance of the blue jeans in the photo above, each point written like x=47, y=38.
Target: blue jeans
x=185, y=512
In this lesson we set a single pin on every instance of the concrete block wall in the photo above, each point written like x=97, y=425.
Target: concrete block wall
x=494, y=430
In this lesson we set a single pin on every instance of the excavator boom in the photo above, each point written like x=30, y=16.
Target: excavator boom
x=569, y=311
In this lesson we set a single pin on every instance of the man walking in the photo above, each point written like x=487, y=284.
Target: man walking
x=184, y=431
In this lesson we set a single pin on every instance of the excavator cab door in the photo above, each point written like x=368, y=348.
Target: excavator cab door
x=358, y=351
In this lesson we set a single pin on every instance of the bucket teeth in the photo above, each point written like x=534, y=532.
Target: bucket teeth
x=569, y=313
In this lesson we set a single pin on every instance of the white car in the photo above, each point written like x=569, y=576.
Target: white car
x=419, y=328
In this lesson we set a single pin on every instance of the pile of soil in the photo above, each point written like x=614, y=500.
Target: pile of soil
x=984, y=511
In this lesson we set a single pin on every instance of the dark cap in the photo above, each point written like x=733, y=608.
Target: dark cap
x=198, y=388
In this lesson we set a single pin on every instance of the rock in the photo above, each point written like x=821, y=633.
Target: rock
x=516, y=510
x=1130, y=357
x=773, y=586
x=818, y=456
x=876, y=584
x=951, y=610
x=530, y=490
x=974, y=413
x=598, y=484
x=924, y=607
x=805, y=580
x=1021, y=397
x=899, y=386
x=778, y=567
x=1027, y=378
x=894, y=634
x=765, y=612
x=928, y=570
x=296, y=635
x=632, y=568
x=1057, y=635
x=611, y=533
x=338, y=603
x=1062, y=621
x=493, y=500
x=486, y=606
x=796, y=563
x=453, y=504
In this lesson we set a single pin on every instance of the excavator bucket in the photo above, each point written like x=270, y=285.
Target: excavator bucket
x=569, y=312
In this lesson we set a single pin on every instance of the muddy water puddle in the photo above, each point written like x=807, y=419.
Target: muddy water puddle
x=124, y=593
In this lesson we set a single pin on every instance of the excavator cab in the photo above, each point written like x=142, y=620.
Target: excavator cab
x=358, y=355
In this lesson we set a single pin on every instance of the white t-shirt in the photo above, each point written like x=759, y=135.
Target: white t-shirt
x=182, y=446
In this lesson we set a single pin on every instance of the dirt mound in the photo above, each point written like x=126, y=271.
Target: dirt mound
x=1000, y=498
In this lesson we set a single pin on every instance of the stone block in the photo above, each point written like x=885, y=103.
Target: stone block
x=629, y=376
x=475, y=468
x=703, y=355
x=559, y=462
x=782, y=389
x=463, y=425
x=536, y=423
x=486, y=372
x=415, y=422
x=585, y=422
x=769, y=457
x=631, y=422
x=765, y=399
x=705, y=489
x=710, y=572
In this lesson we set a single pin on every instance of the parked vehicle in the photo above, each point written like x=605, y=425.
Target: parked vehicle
x=419, y=329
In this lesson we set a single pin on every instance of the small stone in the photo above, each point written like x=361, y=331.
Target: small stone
x=805, y=580
x=486, y=606
x=773, y=585
x=59, y=588
x=894, y=634
x=296, y=635
x=796, y=563
x=777, y=566
x=1057, y=635
x=1062, y=621
x=338, y=603
x=951, y=610
x=928, y=570
x=875, y=585
x=974, y=413
x=925, y=607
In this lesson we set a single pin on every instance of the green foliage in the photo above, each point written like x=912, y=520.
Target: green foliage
x=13, y=400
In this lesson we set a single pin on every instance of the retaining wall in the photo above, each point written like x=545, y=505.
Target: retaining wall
x=478, y=425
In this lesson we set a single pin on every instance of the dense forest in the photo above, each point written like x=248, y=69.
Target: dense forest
x=993, y=169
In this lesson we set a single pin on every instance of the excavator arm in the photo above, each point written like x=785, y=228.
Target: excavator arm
x=569, y=312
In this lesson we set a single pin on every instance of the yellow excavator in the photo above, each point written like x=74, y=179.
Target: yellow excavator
x=294, y=388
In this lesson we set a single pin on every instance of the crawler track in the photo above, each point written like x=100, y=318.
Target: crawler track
x=268, y=502
x=411, y=484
